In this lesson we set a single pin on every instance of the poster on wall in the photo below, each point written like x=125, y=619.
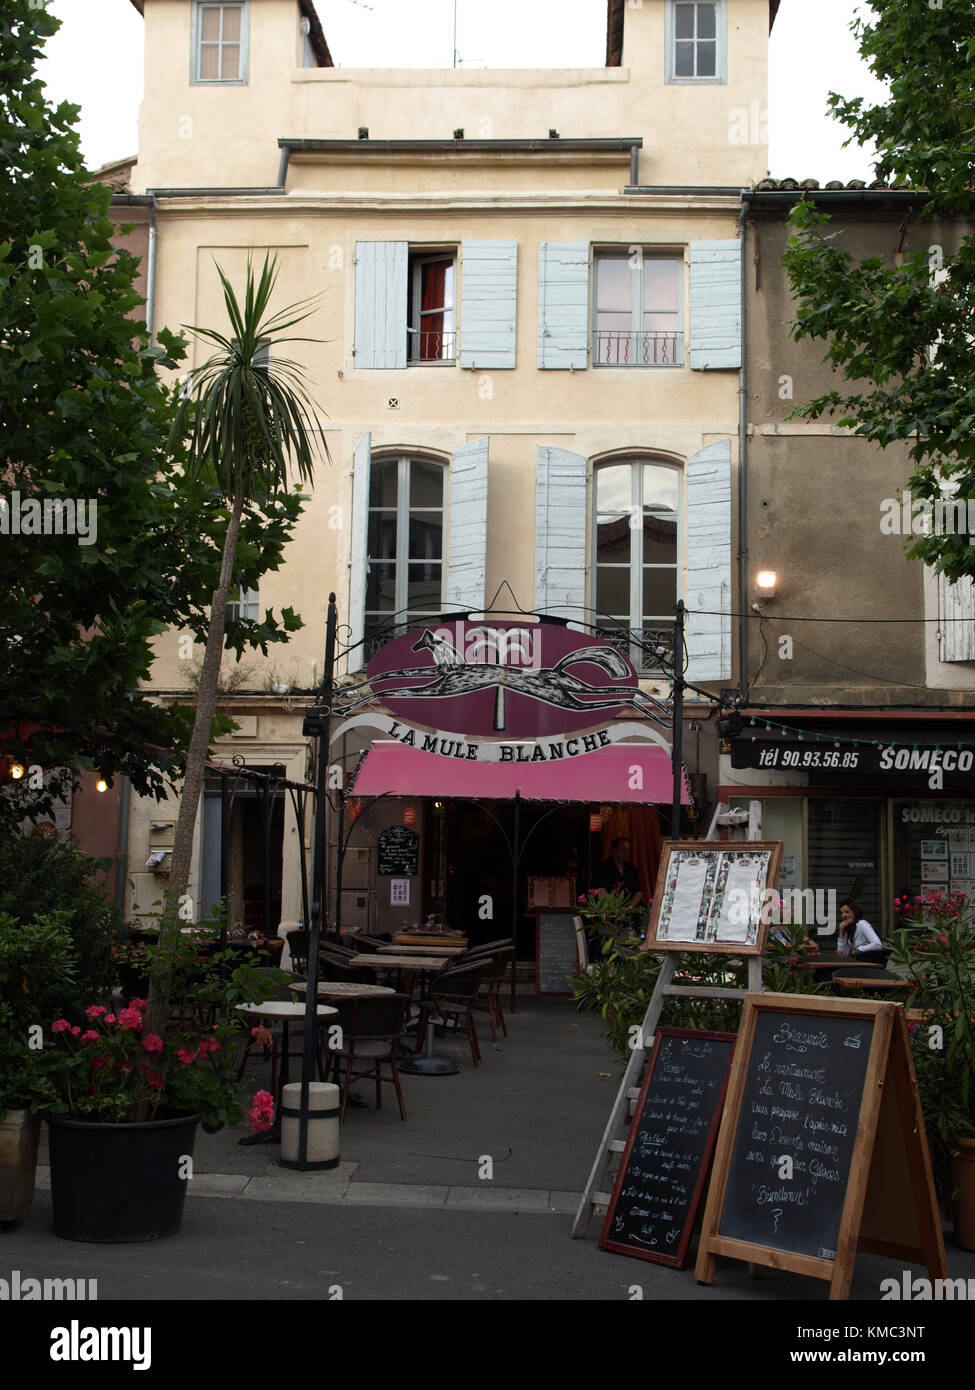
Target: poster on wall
x=714, y=896
x=399, y=892
x=934, y=871
x=935, y=849
x=960, y=864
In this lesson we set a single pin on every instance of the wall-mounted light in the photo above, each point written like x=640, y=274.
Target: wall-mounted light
x=765, y=583
x=101, y=785
x=16, y=771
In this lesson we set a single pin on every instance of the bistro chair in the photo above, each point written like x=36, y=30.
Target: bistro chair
x=371, y=1030
x=489, y=999
x=281, y=994
x=452, y=998
x=361, y=942
x=332, y=968
x=298, y=947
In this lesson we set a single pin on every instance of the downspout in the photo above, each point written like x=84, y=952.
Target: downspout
x=743, y=472
x=151, y=270
x=122, y=872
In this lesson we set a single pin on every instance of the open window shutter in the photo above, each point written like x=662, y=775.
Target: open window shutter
x=709, y=563
x=489, y=281
x=715, y=304
x=563, y=304
x=560, y=533
x=358, y=566
x=467, y=527
x=381, y=269
x=956, y=613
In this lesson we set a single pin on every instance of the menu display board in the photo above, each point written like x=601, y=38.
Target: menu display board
x=399, y=851
x=714, y=896
x=556, y=958
x=661, y=1177
x=796, y=1130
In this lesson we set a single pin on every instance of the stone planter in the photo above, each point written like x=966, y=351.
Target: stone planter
x=20, y=1132
x=963, y=1207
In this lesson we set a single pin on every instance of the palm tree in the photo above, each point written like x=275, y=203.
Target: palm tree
x=252, y=422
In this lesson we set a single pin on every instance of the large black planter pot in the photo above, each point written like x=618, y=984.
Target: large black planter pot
x=115, y=1183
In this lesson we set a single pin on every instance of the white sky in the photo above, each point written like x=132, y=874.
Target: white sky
x=95, y=60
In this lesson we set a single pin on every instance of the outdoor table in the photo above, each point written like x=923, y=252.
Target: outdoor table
x=419, y=938
x=829, y=961
x=342, y=989
x=428, y=1063
x=283, y=1011
x=883, y=982
x=420, y=950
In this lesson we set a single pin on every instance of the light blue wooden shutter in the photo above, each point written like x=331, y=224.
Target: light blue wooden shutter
x=467, y=527
x=560, y=533
x=715, y=304
x=956, y=613
x=563, y=304
x=381, y=269
x=358, y=564
x=489, y=303
x=709, y=563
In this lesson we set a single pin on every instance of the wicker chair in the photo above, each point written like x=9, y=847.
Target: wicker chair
x=371, y=1031
x=453, y=997
x=489, y=999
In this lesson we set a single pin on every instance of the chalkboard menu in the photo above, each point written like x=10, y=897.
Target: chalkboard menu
x=797, y=1125
x=556, y=957
x=661, y=1176
x=399, y=851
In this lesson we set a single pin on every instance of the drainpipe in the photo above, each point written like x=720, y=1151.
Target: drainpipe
x=151, y=270
x=743, y=471
x=122, y=872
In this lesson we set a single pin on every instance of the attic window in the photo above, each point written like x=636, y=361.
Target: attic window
x=220, y=42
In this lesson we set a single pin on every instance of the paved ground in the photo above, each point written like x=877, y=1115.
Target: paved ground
x=407, y=1216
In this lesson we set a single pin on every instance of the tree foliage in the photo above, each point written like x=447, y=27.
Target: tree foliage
x=902, y=335
x=86, y=416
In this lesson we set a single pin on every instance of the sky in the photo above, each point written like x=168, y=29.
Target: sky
x=95, y=60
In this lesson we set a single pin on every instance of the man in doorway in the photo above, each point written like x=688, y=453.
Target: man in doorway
x=617, y=874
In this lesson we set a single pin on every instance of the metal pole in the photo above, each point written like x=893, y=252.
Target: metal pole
x=339, y=861
x=677, y=741
x=318, y=882
x=515, y=868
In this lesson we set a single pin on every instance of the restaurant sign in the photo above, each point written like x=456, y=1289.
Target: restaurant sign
x=475, y=750
x=887, y=760
x=523, y=681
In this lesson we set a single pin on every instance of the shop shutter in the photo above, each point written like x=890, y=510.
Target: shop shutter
x=715, y=304
x=358, y=565
x=381, y=269
x=844, y=837
x=956, y=615
x=489, y=282
x=560, y=533
x=709, y=563
x=467, y=527
x=563, y=304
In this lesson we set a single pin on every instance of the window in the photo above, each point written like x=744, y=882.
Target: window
x=432, y=308
x=404, y=543
x=243, y=604
x=636, y=310
x=696, y=41
x=636, y=550
x=220, y=42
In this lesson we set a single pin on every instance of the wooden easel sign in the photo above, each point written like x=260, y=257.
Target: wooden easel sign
x=714, y=896
x=822, y=1150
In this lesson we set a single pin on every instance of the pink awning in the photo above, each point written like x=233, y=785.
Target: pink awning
x=637, y=772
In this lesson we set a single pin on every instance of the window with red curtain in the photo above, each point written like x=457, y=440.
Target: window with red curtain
x=432, y=322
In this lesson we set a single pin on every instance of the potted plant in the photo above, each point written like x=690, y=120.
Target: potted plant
x=935, y=947
x=37, y=971
x=123, y=1102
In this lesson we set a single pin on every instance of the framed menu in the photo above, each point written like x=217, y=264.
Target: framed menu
x=714, y=896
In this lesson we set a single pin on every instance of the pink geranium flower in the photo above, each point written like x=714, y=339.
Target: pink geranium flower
x=110, y=1018
x=60, y=1025
x=262, y=1112
x=140, y=1004
x=96, y=1011
x=75, y=1031
x=97, y=1063
x=90, y=1037
x=154, y=1080
x=152, y=1042
x=130, y=1019
x=186, y=1054
x=208, y=1046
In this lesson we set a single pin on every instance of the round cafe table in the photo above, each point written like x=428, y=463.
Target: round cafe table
x=283, y=1011
x=427, y=1062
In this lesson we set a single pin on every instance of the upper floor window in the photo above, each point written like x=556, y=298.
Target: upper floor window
x=696, y=42
x=243, y=603
x=432, y=308
x=220, y=42
x=636, y=551
x=636, y=310
x=404, y=545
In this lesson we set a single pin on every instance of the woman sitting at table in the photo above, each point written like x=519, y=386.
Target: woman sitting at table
x=856, y=937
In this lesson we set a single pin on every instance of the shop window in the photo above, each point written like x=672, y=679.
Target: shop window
x=220, y=40
x=636, y=310
x=405, y=543
x=636, y=551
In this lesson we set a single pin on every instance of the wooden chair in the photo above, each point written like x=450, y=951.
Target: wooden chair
x=452, y=998
x=372, y=1028
x=489, y=999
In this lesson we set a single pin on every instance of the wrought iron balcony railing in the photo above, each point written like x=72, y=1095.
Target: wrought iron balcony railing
x=637, y=349
x=431, y=347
